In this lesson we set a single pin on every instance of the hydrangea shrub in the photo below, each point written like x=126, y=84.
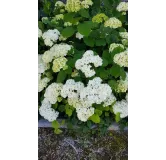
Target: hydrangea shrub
x=83, y=63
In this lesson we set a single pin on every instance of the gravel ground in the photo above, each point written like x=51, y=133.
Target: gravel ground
x=74, y=146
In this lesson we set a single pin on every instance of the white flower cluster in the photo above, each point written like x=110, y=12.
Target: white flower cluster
x=122, y=7
x=39, y=33
x=83, y=113
x=50, y=37
x=113, y=23
x=47, y=112
x=42, y=66
x=123, y=35
x=86, y=3
x=79, y=36
x=59, y=4
x=96, y=92
x=115, y=45
x=53, y=92
x=84, y=64
x=121, y=107
x=56, y=51
x=42, y=83
x=122, y=85
x=121, y=59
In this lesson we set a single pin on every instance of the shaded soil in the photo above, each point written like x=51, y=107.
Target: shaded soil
x=74, y=146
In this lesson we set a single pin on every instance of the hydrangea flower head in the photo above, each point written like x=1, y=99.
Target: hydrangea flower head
x=73, y=5
x=122, y=7
x=99, y=18
x=113, y=23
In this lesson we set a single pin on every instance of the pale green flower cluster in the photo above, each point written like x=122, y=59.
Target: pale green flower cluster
x=122, y=7
x=73, y=5
x=59, y=17
x=122, y=85
x=113, y=23
x=121, y=59
x=66, y=24
x=59, y=4
x=59, y=63
x=86, y=3
x=99, y=18
x=123, y=35
x=42, y=82
x=115, y=45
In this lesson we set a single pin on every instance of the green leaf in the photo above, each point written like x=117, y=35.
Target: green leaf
x=85, y=28
x=106, y=55
x=100, y=42
x=95, y=118
x=107, y=114
x=69, y=112
x=63, y=122
x=89, y=124
x=117, y=117
x=55, y=124
x=68, y=17
x=115, y=71
x=113, y=84
x=84, y=13
x=99, y=112
x=41, y=26
x=89, y=41
x=61, y=76
x=58, y=131
x=68, y=70
x=105, y=62
x=61, y=108
x=68, y=32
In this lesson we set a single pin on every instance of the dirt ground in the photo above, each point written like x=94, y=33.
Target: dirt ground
x=73, y=146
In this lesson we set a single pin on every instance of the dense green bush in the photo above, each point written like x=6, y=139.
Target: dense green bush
x=83, y=63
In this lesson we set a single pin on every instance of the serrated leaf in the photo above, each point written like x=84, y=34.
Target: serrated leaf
x=113, y=84
x=61, y=76
x=105, y=62
x=55, y=124
x=68, y=32
x=95, y=118
x=68, y=17
x=85, y=28
x=89, y=41
x=68, y=70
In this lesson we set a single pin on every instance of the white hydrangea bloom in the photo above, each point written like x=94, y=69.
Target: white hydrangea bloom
x=123, y=35
x=53, y=92
x=84, y=64
x=42, y=83
x=79, y=36
x=71, y=89
x=47, y=56
x=113, y=23
x=84, y=113
x=59, y=4
x=110, y=99
x=121, y=107
x=95, y=92
x=122, y=85
x=41, y=65
x=50, y=37
x=121, y=59
x=60, y=50
x=39, y=33
x=122, y=7
x=86, y=3
x=115, y=45
x=47, y=112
